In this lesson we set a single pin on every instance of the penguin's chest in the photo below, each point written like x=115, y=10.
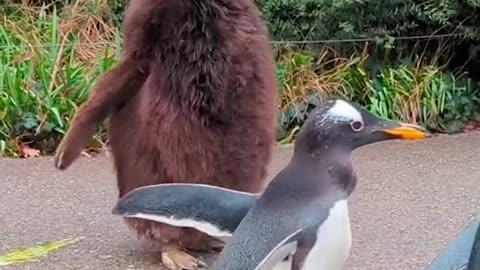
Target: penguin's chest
x=333, y=241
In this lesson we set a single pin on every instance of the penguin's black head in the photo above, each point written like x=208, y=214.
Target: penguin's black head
x=347, y=125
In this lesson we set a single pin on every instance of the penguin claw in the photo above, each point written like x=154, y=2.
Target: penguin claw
x=58, y=160
x=209, y=245
x=180, y=260
x=63, y=159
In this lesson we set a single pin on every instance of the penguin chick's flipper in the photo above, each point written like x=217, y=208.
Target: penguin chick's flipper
x=174, y=258
x=212, y=210
x=461, y=252
x=115, y=86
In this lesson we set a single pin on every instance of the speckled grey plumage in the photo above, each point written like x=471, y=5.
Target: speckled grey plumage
x=463, y=253
x=474, y=260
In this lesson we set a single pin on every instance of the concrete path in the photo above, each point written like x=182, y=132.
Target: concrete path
x=411, y=198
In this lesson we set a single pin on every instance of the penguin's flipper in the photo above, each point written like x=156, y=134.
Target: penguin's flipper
x=261, y=242
x=462, y=253
x=256, y=248
x=280, y=257
x=212, y=210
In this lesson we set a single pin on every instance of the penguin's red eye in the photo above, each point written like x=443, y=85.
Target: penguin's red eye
x=356, y=125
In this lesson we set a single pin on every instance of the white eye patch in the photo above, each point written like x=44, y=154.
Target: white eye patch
x=343, y=111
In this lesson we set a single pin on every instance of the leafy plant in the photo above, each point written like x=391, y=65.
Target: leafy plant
x=41, y=86
x=421, y=94
x=307, y=78
x=462, y=105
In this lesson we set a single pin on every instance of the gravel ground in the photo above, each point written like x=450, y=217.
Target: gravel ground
x=412, y=198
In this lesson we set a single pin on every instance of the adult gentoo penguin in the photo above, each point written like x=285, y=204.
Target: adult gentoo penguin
x=301, y=221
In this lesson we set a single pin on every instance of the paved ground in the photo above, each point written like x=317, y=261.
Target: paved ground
x=412, y=197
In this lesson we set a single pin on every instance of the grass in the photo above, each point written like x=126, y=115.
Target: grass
x=41, y=86
x=422, y=94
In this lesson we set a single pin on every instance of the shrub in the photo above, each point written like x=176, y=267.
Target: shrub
x=321, y=19
x=41, y=86
x=118, y=10
x=421, y=94
x=378, y=19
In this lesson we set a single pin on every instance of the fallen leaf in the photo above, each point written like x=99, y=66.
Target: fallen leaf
x=29, y=152
x=24, y=254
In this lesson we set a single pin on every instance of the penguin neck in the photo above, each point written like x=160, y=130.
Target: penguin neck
x=323, y=158
x=322, y=150
x=332, y=159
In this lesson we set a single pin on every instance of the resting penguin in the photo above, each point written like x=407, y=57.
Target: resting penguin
x=209, y=209
x=301, y=221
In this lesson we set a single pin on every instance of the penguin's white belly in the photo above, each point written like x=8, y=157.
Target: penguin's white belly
x=334, y=240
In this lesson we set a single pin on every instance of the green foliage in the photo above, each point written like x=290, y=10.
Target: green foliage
x=118, y=9
x=462, y=105
x=378, y=19
x=41, y=88
x=416, y=94
x=322, y=19
x=327, y=19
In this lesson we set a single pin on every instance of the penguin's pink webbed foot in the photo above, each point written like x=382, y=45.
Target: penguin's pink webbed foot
x=174, y=258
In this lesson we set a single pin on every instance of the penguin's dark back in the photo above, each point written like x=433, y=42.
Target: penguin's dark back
x=221, y=207
x=474, y=260
x=462, y=253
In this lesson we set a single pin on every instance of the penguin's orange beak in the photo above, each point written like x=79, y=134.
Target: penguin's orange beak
x=406, y=131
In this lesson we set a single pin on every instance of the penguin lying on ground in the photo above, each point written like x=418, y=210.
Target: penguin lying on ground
x=212, y=210
x=463, y=253
x=301, y=221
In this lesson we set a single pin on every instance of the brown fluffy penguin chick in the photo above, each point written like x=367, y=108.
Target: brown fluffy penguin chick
x=192, y=100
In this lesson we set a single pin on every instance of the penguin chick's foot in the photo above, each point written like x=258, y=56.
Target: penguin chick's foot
x=174, y=258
